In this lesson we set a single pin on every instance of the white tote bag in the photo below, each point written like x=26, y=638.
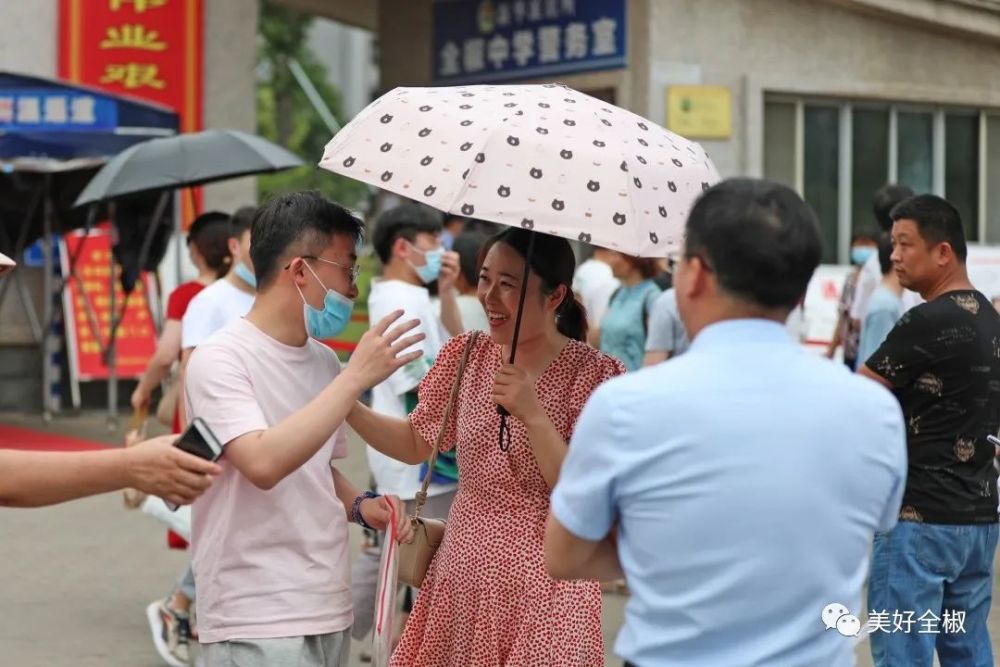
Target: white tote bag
x=179, y=521
x=385, y=595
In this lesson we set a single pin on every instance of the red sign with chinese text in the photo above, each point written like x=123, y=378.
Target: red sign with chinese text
x=87, y=311
x=151, y=49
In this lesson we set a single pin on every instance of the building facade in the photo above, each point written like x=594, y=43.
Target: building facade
x=832, y=97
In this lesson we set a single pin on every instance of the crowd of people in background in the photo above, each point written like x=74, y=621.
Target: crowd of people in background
x=662, y=426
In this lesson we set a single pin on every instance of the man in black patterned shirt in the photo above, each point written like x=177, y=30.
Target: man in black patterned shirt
x=942, y=361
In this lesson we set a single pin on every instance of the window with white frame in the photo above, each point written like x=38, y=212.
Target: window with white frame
x=838, y=153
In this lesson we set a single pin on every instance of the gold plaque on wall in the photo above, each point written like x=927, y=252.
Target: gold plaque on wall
x=700, y=112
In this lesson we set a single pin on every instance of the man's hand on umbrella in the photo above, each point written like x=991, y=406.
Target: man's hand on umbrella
x=159, y=468
x=449, y=270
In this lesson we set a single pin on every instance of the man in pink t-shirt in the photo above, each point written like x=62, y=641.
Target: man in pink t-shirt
x=270, y=539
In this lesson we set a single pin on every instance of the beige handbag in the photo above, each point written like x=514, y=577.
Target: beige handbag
x=416, y=556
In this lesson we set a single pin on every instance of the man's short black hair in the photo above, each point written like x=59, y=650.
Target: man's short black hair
x=295, y=224
x=403, y=221
x=937, y=220
x=886, y=198
x=241, y=221
x=885, y=252
x=759, y=238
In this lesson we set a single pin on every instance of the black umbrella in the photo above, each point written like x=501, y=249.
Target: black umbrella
x=164, y=165
x=186, y=160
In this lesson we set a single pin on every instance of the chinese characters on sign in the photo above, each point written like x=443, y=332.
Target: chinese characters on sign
x=151, y=49
x=487, y=40
x=52, y=110
x=88, y=314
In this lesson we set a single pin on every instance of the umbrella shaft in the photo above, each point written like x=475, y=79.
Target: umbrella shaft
x=517, y=329
x=524, y=292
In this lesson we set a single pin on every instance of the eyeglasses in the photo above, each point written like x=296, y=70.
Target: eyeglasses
x=352, y=271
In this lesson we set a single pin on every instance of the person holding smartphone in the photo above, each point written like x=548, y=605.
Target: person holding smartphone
x=271, y=548
x=155, y=466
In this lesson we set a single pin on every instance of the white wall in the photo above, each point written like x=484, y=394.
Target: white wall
x=28, y=36
x=808, y=47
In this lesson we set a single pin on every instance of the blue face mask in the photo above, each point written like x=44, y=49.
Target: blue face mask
x=430, y=271
x=862, y=254
x=335, y=316
x=244, y=273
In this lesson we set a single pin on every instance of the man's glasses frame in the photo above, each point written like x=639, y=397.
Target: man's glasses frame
x=352, y=271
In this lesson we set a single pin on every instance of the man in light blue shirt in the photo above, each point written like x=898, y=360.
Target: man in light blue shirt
x=666, y=337
x=737, y=487
x=885, y=306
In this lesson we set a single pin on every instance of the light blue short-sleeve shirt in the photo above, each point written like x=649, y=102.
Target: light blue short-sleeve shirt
x=884, y=310
x=666, y=329
x=748, y=477
x=623, y=328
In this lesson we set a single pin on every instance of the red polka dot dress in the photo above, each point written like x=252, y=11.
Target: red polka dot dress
x=487, y=600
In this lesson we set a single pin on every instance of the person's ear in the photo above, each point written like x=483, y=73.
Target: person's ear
x=297, y=270
x=400, y=248
x=558, y=295
x=696, y=278
x=942, y=253
x=234, y=247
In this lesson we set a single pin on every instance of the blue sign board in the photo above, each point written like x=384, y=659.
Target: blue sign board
x=479, y=41
x=41, y=110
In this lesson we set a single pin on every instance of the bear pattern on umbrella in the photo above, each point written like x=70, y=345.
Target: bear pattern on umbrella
x=591, y=172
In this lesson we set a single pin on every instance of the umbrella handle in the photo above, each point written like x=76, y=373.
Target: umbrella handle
x=502, y=411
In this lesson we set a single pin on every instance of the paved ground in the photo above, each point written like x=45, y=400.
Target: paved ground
x=76, y=578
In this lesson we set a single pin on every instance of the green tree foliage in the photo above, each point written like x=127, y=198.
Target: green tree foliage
x=284, y=114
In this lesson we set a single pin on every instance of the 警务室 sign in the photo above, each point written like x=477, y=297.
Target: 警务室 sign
x=478, y=41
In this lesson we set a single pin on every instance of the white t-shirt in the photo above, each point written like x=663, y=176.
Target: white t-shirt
x=389, y=397
x=870, y=278
x=268, y=563
x=473, y=316
x=211, y=309
x=595, y=283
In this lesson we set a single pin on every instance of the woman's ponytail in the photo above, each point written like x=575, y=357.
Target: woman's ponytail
x=571, y=318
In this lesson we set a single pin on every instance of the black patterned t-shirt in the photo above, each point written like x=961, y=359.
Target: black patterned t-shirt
x=943, y=361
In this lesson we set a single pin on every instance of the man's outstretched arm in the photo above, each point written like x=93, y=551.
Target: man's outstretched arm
x=156, y=467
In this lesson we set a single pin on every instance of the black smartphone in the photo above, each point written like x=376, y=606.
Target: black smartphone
x=199, y=441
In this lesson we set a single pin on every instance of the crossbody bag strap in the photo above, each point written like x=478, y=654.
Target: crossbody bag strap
x=421, y=496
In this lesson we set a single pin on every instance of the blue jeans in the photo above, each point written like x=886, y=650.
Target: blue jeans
x=919, y=567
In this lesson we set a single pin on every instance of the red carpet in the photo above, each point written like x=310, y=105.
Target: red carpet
x=13, y=437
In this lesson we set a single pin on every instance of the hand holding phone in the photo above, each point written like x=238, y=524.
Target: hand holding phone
x=199, y=441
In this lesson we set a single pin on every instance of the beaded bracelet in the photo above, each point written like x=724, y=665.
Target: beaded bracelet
x=356, y=509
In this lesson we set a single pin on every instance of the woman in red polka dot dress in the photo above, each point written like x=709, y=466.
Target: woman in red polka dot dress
x=487, y=599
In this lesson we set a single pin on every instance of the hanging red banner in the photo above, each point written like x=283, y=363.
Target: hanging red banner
x=151, y=49
x=87, y=308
